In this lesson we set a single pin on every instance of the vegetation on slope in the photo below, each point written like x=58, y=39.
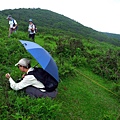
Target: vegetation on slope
x=46, y=20
x=78, y=98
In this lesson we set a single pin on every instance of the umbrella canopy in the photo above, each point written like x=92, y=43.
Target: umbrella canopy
x=42, y=57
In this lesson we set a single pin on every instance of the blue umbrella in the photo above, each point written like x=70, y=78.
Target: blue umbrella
x=42, y=57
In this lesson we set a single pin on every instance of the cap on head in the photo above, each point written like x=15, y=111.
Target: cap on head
x=30, y=20
x=23, y=62
x=9, y=17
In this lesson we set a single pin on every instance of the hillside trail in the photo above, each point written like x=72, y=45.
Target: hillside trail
x=97, y=83
x=83, y=99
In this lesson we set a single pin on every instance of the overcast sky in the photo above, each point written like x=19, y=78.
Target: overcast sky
x=101, y=15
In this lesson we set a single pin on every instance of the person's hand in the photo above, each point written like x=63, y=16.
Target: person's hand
x=7, y=75
x=13, y=28
x=29, y=30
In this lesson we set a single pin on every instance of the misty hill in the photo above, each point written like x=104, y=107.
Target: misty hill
x=117, y=36
x=47, y=20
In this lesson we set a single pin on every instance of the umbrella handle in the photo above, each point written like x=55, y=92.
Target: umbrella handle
x=36, y=64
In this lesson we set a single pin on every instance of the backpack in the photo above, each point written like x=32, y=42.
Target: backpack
x=14, y=25
x=48, y=81
x=35, y=28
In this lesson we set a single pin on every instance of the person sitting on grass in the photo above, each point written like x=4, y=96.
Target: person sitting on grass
x=29, y=83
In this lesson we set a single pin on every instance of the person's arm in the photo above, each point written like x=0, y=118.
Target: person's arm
x=29, y=28
x=22, y=84
x=27, y=81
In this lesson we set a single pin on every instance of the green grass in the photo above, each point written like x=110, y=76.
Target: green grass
x=84, y=100
x=86, y=96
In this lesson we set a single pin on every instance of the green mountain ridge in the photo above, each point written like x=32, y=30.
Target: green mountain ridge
x=46, y=19
x=117, y=36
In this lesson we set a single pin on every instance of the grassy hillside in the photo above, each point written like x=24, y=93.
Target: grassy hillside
x=89, y=71
x=79, y=98
x=87, y=100
x=46, y=20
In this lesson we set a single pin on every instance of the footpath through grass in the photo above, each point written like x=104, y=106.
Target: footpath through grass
x=84, y=100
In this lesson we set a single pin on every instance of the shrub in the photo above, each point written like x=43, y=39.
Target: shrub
x=26, y=108
x=66, y=70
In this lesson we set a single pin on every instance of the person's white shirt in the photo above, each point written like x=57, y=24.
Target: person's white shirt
x=11, y=23
x=31, y=26
x=27, y=81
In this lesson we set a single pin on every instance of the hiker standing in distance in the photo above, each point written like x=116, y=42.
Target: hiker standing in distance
x=31, y=29
x=13, y=25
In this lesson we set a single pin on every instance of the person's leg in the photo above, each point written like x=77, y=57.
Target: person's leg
x=29, y=35
x=10, y=32
x=52, y=94
x=35, y=92
x=33, y=37
x=32, y=91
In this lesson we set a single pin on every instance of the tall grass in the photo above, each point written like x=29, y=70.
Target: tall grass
x=84, y=100
x=78, y=97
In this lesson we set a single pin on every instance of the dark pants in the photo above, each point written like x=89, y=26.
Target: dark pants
x=32, y=36
x=36, y=92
